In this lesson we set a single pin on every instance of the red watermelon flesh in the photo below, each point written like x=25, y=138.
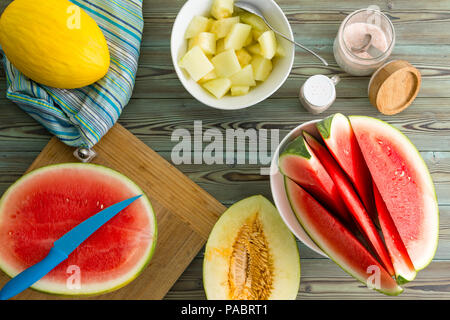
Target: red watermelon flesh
x=403, y=266
x=404, y=183
x=48, y=202
x=299, y=163
x=336, y=241
x=340, y=140
x=353, y=202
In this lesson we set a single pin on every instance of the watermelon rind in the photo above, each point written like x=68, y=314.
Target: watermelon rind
x=297, y=147
x=324, y=126
x=46, y=288
x=398, y=290
x=321, y=186
x=415, y=156
x=402, y=281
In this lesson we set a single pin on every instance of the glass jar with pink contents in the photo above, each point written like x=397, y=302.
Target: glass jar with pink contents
x=364, y=41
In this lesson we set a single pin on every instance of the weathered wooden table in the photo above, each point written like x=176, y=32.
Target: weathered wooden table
x=160, y=105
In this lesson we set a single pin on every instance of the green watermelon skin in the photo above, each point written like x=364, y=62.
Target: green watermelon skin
x=46, y=203
x=299, y=163
x=404, y=183
x=333, y=238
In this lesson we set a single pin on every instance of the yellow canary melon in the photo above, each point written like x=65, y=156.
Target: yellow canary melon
x=54, y=42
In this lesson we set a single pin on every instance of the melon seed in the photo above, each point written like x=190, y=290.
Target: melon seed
x=250, y=275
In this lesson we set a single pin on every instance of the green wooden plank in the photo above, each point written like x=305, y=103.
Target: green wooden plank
x=165, y=8
x=323, y=279
x=162, y=82
x=426, y=122
x=230, y=183
x=316, y=27
x=157, y=78
x=442, y=253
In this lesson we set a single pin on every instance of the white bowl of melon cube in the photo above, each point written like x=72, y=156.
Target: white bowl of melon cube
x=227, y=58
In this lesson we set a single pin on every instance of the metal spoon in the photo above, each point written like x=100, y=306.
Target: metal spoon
x=368, y=47
x=252, y=9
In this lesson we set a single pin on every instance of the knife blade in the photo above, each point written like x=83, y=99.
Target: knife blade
x=61, y=249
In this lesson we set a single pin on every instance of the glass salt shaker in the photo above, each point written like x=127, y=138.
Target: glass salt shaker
x=318, y=93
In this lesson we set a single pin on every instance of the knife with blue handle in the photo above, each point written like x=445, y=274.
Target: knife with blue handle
x=61, y=249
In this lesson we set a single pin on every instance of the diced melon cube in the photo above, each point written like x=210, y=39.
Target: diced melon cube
x=262, y=68
x=226, y=63
x=210, y=76
x=191, y=43
x=198, y=24
x=239, y=90
x=222, y=8
x=244, y=77
x=254, y=48
x=256, y=34
x=237, y=36
x=243, y=56
x=218, y=87
x=280, y=51
x=255, y=21
x=268, y=44
x=249, y=40
x=210, y=23
x=220, y=46
x=206, y=41
x=222, y=27
x=196, y=63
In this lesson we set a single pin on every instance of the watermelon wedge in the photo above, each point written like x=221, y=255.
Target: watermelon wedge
x=300, y=164
x=403, y=266
x=351, y=199
x=404, y=183
x=48, y=202
x=340, y=140
x=336, y=241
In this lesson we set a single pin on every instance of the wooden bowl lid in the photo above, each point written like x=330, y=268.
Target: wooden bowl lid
x=394, y=86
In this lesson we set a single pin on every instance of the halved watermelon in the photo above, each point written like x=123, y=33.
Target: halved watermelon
x=353, y=202
x=336, y=241
x=403, y=266
x=340, y=140
x=405, y=185
x=46, y=203
x=300, y=164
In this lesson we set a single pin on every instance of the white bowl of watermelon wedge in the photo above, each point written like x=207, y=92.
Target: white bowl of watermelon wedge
x=355, y=189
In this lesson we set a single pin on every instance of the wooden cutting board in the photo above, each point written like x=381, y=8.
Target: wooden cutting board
x=185, y=213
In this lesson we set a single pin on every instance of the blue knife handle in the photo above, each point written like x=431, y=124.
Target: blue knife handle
x=31, y=275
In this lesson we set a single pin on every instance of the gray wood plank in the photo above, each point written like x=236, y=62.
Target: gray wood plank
x=230, y=183
x=323, y=279
x=319, y=27
x=164, y=8
x=426, y=122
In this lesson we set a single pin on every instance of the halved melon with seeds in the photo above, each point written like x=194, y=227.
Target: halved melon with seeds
x=251, y=255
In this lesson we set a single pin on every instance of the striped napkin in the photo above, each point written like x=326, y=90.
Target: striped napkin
x=80, y=117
